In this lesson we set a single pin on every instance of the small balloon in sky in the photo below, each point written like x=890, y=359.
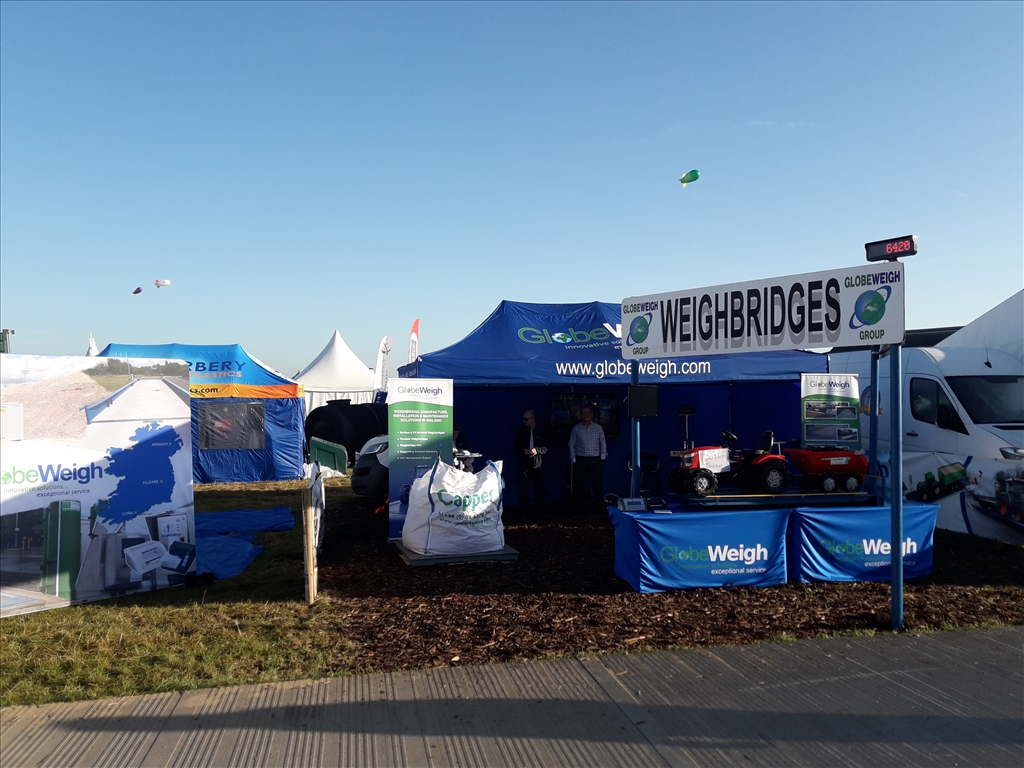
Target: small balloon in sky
x=688, y=177
x=161, y=283
x=137, y=291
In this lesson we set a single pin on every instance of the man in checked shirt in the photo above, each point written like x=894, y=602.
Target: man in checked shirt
x=587, y=452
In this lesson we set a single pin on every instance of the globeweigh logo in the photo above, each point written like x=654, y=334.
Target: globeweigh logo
x=51, y=474
x=692, y=557
x=571, y=336
x=869, y=309
x=422, y=390
x=639, y=329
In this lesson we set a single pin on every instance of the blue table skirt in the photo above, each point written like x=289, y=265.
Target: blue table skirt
x=659, y=552
x=852, y=543
x=761, y=547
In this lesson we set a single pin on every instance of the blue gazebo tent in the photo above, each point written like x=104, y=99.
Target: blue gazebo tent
x=247, y=419
x=547, y=357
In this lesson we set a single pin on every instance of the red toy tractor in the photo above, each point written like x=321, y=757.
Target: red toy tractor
x=762, y=470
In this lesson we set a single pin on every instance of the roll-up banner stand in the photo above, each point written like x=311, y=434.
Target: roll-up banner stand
x=830, y=410
x=419, y=430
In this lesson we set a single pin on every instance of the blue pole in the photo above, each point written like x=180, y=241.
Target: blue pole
x=896, y=481
x=875, y=399
x=634, y=485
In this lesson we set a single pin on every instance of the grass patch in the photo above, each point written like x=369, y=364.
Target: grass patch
x=255, y=627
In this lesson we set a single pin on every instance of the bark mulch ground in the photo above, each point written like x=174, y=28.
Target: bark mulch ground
x=562, y=597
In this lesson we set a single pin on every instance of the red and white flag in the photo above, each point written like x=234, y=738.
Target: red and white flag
x=414, y=341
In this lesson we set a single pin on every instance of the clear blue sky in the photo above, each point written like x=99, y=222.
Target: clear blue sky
x=295, y=168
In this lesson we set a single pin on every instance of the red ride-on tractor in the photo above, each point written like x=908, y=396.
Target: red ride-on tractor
x=762, y=470
x=830, y=469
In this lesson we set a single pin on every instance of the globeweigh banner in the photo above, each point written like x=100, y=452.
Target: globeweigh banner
x=836, y=308
x=855, y=543
x=419, y=431
x=96, y=479
x=660, y=552
x=830, y=409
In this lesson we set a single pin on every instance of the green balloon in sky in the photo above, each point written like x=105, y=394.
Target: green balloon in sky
x=691, y=176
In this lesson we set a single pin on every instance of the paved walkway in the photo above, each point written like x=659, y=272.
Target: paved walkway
x=949, y=698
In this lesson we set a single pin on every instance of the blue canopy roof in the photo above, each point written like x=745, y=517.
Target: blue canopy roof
x=215, y=370
x=581, y=344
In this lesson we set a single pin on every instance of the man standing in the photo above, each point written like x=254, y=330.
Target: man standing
x=587, y=452
x=530, y=447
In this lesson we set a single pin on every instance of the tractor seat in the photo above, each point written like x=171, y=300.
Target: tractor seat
x=764, y=443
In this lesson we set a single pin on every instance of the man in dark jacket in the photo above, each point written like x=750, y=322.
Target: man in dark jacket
x=530, y=447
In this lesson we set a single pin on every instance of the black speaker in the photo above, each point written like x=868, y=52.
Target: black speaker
x=643, y=400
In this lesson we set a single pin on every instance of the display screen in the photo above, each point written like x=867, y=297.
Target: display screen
x=883, y=250
x=565, y=412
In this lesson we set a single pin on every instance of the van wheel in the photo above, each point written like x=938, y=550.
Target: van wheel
x=830, y=483
x=851, y=483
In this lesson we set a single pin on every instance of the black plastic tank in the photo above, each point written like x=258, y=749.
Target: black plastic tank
x=349, y=425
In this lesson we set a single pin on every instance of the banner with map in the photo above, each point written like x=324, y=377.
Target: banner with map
x=96, y=471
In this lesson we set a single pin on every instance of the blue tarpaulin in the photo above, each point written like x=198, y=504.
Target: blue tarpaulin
x=224, y=556
x=227, y=556
x=242, y=520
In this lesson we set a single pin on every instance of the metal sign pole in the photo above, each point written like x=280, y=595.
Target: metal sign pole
x=634, y=486
x=896, y=481
x=873, y=403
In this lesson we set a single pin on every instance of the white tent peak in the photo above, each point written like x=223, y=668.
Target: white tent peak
x=93, y=349
x=336, y=374
x=999, y=328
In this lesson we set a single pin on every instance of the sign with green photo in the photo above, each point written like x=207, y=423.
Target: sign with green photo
x=830, y=409
x=419, y=431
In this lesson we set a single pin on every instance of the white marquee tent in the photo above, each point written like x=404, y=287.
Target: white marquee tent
x=999, y=328
x=336, y=374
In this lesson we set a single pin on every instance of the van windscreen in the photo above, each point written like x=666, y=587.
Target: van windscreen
x=990, y=399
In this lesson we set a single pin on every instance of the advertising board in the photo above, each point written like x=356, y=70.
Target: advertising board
x=97, y=486
x=419, y=430
x=844, y=307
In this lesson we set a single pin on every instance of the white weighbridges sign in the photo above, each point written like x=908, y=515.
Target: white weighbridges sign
x=859, y=306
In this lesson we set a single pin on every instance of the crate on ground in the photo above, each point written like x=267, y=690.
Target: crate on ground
x=328, y=454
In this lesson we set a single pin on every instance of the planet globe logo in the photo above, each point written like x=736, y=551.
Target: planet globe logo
x=6, y=478
x=639, y=328
x=870, y=307
x=561, y=338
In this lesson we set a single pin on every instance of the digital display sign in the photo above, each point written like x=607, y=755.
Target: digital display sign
x=893, y=248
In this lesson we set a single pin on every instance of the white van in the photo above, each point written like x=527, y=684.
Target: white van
x=963, y=433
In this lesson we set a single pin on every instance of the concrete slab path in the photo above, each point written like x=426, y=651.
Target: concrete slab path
x=941, y=699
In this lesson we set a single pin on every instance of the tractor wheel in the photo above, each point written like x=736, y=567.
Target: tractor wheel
x=851, y=483
x=704, y=483
x=774, y=477
x=830, y=483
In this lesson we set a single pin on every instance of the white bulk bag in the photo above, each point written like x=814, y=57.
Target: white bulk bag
x=452, y=512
